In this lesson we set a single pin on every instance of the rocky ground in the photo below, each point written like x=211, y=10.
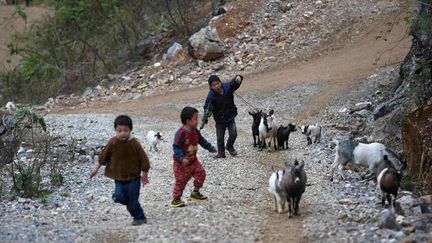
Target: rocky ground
x=239, y=209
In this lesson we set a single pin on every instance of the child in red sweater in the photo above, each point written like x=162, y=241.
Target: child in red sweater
x=186, y=164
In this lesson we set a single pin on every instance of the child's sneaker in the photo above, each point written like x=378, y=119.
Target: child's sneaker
x=198, y=197
x=177, y=204
x=139, y=221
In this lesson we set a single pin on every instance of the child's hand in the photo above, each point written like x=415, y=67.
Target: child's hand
x=239, y=79
x=93, y=173
x=144, y=179
x=186, y=160
x=213, y=150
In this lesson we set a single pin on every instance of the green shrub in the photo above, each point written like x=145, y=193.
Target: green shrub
x=56, y=179
x=85, y=39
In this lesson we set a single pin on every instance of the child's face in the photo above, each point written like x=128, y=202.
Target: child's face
x=216, y=86
x=123, y=132
x=193, y=122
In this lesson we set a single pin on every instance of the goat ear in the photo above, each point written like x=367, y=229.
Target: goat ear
x=302, y=164
x=250, y=113
x=271, y=112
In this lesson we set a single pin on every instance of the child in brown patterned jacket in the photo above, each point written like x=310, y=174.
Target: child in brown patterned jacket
x=127, y=164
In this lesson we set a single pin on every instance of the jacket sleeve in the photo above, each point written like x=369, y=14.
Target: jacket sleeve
x=145, y=163
x=178, y=146
x=233, y=85
x=203, y=142
x=105, y=155
x=207, y=102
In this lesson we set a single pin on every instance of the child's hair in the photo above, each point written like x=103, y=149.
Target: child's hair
x=123, y=120
x=187, y=113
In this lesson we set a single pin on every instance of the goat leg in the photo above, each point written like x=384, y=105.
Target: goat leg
x=389, y=200
x=283, y=204
x=309, y=140
x=340, y=172
x=289, y=207
x=333, y=166
x=254, y=138
x=275, y=207
x=382, y=200
x=296, y=205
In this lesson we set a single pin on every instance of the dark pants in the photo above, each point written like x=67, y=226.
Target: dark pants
x=127, y=193
x=220, y=134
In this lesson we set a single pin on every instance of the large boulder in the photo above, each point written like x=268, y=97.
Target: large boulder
x=206, y=45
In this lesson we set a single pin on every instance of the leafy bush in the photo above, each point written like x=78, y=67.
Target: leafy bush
x=27, y=181
x=87, y=39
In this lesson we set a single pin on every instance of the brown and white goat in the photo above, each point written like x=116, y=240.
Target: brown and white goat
x=388, y=181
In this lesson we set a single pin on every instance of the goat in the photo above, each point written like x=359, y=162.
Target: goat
x=283, y=135
x=11, y=106
x=153, y=138
x=267, y=129
x=312, y=131
x=255, y=124
x=368, y=155
x=275, y=188
x=388, y=181
x=294, y=183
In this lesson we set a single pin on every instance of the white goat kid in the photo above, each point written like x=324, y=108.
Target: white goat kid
x=268, y=130
x=279, y=197
x=153, y=138
x=11, y=106
x=312, y=131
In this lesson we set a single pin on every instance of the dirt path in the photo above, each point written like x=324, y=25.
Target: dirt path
x=339, y=70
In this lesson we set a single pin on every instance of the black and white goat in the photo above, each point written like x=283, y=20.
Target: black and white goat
x=267, y=130
x=312, y=131
x=367, y=155
x=275, y=188
x=294, y=184
x=153, y=138
x=388, y=181
x=283, y=135
x=255, y=124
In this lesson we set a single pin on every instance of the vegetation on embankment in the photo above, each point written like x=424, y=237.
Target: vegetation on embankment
x=85, y=40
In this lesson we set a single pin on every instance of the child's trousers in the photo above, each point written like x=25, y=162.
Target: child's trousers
x=127, y=193
x=183, y=173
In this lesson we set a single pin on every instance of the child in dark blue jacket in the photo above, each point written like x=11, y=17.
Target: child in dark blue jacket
x=221, y=98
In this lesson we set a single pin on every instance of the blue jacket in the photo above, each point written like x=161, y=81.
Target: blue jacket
x=223, y=107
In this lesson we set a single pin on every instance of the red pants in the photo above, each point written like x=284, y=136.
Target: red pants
x=183, y=173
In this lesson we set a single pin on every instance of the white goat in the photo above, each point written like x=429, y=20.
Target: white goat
x=10, y=106
x=279, y=197
x=153, y=138
x=367, y=155
x=268, y=129
x=312, y=131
